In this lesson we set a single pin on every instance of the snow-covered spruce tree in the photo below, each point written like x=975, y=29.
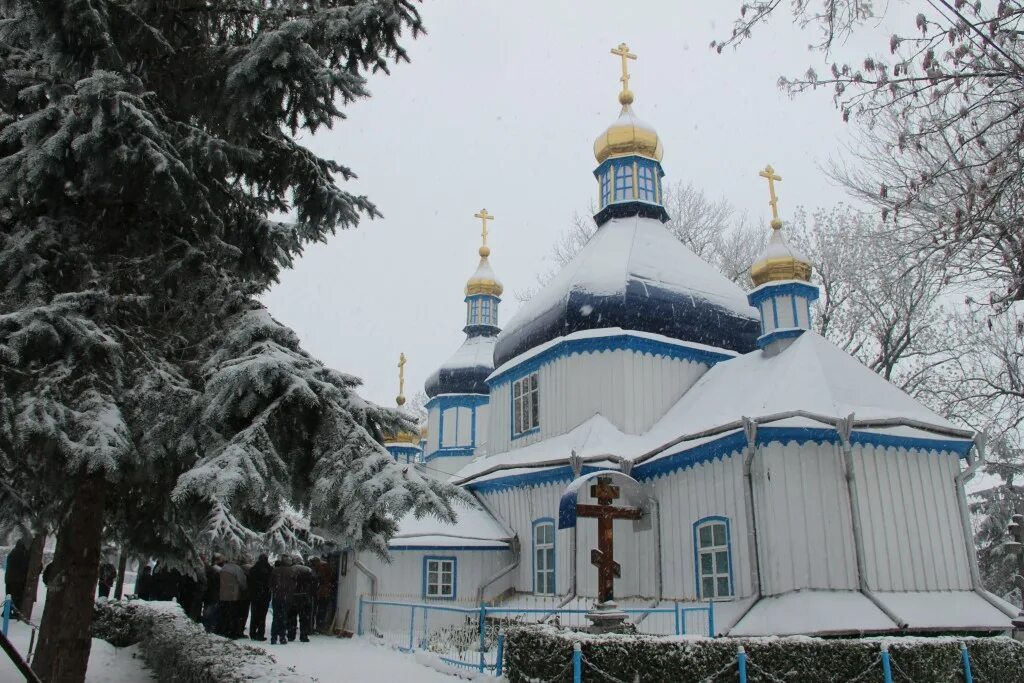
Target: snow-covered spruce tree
x=142, y=147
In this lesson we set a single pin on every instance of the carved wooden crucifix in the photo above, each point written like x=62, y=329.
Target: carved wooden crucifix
x=607, y=568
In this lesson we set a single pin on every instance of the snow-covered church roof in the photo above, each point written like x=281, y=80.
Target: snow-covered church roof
x=635, y=275
x=474, y=528
x=466, y=371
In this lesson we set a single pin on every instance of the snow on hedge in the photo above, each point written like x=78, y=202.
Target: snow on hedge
x=178, y=649
x=543, y=653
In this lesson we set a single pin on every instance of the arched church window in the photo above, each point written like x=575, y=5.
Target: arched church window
x=606, y=186
x=712, y=554
x=544, y=556
x=645, y=184
x=624, y=182
x=525, y=405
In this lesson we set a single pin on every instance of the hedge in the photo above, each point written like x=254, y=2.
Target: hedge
x=542, y=653
x=178, y=649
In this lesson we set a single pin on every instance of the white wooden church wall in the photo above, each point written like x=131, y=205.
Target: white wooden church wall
x=805, y=537
x=403, y=576
x=433, y=422
x=913, y=540
x=631, y=389
x=482, y=427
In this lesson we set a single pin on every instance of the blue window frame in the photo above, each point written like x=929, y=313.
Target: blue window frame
x=544, y=556
x=440, y=576
x=645, y=184
x=624, y=181
x=712, y=558
x=606, y=186
x=525, y=405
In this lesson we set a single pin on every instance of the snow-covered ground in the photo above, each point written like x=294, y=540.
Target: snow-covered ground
x=326, y=658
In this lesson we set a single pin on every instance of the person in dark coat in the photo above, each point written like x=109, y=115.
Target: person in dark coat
x=190, y=594
x=106, y=579
x=322, y=570
x=16, y=575
x=211, y=598
x=144, y=583
x=302, y=601
x=282, y=589
x=259, y=597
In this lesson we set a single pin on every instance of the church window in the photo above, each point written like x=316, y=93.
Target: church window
x=606, y=186
x=439, y=577
x=645, y=184
x=525, y=406
x=713, y=555
x=544, y=557
x=624, y=182
x=485, y=312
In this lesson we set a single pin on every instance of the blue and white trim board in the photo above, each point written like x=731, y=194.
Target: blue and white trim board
x=615, y=342
x=731, y=443
x=450, y=548
x=455, y=576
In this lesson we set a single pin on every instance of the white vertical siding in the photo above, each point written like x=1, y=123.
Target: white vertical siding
x=481, y=428
x=631, y=389
x=805, y=536
x=464, y=429
x=908, y=508
x=433, y=429
x=404, y=574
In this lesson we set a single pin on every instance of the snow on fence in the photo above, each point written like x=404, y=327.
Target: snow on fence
x=542, y=653
x=468, y=635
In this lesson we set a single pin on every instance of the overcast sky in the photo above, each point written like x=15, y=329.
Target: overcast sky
x=499, y=108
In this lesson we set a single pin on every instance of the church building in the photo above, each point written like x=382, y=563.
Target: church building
x=783, y=480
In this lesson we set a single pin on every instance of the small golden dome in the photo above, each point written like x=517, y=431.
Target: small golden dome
x=405, y=437
x=628, y=135
x=780, y=261
x=485, y=251
x=484, y=281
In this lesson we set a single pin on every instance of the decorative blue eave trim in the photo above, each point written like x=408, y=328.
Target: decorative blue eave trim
x=445, y=401
x=473, y=297
x=632, y=207
x=616, y=342
x=437, y=548
x=774, y=336
x=792, y=287
x=728, y=445
x=457, y=452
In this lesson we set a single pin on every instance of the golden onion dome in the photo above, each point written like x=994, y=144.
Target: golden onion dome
x=779, y=261
x=628, y=135
x=484, y=281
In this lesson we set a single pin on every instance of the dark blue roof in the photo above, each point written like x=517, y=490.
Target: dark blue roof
x=466, y=370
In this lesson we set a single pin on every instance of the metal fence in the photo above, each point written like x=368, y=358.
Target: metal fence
x=469, y=636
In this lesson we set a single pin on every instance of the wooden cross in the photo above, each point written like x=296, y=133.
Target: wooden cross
x=607, y=568
x=484, y=217
x=769, y=174
x=401, y=378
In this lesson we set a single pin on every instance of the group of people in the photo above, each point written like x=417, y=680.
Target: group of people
x=232, y=592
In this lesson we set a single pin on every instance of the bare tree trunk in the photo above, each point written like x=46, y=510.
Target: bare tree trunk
x=64, y=641
x=122, y=566
x=35, y=568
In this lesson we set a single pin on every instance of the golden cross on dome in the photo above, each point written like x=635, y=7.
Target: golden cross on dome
x=773, y=201
x=484, y=217
x=623, y=51
x=401, y=379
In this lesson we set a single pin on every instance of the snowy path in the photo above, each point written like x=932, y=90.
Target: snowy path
x=354, y=660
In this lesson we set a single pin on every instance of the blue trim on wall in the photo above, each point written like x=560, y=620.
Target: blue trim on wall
x=460, y=548
x=446, y=402
x=455, y=576
x=788, y=333
x=617, y=342
x=458, y=400
x=554, y=554
x=801, y=289
x=457, y=452
x=726, y=446
x=696, y=552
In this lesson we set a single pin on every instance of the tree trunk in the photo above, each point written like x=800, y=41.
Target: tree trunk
x=64, y=641
x=122, y=566
x=35, y=568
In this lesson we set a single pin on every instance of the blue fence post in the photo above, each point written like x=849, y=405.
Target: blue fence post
x=577, y=663
x=359, y=618
x=483, y=625
x=711, y=618
x=679, y=624
x=741, y=663
x=412, y=622
x=886, y=664
x=500, y=660
x=7, y=613
x=966, y=656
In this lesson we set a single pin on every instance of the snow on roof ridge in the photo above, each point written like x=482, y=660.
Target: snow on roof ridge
x=597, y=333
